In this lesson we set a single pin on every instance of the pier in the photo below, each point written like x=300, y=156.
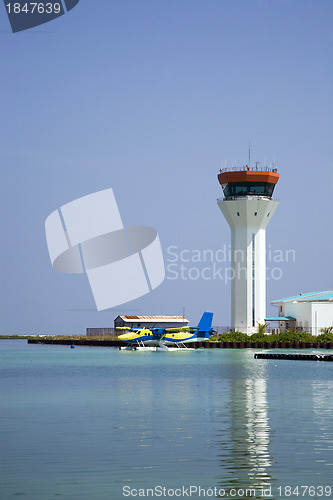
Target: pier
x=295, y=356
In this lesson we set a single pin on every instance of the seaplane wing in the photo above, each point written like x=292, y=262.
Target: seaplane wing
x=180, y=329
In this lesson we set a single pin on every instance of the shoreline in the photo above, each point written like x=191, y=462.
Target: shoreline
x=195, y=345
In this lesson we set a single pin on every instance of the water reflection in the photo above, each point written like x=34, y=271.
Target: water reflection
x=245, y=456
x=258, y=432
x=198, y=422
x=323, y=410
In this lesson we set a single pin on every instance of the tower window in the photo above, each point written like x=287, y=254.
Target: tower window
x=255, y=213
x=248, y=189
x=238, y=214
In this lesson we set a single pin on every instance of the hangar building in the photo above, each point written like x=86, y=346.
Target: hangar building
x=308, y=312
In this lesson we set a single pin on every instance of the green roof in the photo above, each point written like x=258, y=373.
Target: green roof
x=280, y=318
x=307, y=297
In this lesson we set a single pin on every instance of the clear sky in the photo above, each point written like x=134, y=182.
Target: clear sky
x=151, y=98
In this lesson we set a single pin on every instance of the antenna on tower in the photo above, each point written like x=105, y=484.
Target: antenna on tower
x=249, y=154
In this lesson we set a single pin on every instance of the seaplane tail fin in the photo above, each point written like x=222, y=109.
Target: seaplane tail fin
x=206, y=322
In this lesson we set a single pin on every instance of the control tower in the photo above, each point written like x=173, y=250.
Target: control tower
x=248, y=207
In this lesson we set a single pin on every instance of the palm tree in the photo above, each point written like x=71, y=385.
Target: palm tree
x=262, y=328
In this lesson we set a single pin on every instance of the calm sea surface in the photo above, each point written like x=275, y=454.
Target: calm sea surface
x=99, y=423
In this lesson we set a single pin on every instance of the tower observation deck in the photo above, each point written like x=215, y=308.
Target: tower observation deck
x=248, y=182
x=248, y=207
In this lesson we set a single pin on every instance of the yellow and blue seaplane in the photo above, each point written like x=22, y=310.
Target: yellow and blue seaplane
x=165, y=339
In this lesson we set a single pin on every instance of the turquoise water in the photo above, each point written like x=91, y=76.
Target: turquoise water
x=99, y=423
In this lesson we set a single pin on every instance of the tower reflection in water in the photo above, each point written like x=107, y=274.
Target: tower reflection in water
x=245, y=456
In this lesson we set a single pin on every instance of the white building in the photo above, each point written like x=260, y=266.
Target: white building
x=248, y=207
x=308, y=312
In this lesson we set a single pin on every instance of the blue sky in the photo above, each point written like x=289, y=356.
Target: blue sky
x=151, y=98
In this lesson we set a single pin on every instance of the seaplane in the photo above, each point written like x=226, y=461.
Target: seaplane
x=166, y=339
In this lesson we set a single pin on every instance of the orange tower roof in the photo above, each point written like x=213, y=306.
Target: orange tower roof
x=248, y=176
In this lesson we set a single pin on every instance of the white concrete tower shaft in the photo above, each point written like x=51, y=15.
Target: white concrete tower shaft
x=248, y=207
